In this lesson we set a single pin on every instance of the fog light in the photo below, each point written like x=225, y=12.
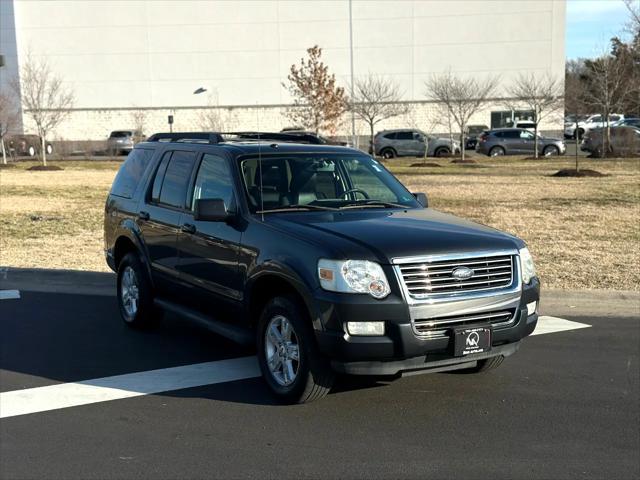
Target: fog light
x=531, y=308
x=365, y=328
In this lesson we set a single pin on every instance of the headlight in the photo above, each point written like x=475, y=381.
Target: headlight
x=353, y=276
x=527, y=266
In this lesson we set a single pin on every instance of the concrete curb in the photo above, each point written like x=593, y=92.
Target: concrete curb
x=596, y=303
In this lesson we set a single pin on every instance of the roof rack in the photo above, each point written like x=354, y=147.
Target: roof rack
x=217, y=137
x=294, y=137
x=187, y=137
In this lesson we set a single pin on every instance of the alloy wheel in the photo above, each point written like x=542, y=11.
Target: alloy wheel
x=129, y=291
x=282, y=350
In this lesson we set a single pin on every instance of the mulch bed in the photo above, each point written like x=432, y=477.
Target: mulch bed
x=583, y=172
x=8, y=165
x=466, y=160
x=42, y=168
x=427, y=164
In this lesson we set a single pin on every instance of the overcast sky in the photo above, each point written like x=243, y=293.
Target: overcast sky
x=590, y=25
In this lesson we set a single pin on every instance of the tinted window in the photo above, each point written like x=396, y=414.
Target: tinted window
x=390, y=136
x=404, y=136
x=213, y=181
x=157, y=182
x=121, y=134
x=130, y=173
x=176, y=179
x=511, y=134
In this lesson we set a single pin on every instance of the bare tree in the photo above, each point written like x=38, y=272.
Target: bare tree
x=462, y=97
x=318, y=101
x=542, y=94
x=376, y=99
x=607, y=88
x=44, y=97
x=9, y=118
x=139, y=121
x=574, y=93
x=209, y=119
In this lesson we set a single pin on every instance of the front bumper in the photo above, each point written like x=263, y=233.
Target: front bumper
x=400, y=350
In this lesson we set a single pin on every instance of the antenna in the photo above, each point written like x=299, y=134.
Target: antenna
x=260, y=161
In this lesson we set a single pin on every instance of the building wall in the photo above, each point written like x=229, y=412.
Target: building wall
x=153, y=54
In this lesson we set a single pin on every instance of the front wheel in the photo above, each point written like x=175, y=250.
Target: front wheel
x=551, y=151
x=49, y=149
x=288, y=355
x=31, y=151
x=442, y=152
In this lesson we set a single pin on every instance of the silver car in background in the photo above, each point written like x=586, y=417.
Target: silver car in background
x=411, y=143
x=517, y=141
x=122, y=141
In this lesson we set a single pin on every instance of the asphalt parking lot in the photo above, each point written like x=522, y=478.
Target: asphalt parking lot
x=565, y=406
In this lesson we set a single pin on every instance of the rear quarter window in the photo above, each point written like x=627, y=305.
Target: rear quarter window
x=130, y=173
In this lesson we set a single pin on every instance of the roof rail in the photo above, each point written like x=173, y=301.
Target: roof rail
x=279, y=137
x=187, y=137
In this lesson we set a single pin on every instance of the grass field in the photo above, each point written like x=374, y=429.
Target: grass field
x=584, y=233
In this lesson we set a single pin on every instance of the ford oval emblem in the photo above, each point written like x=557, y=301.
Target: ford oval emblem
x=462, y=273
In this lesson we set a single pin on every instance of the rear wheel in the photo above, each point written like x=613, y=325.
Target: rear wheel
x=31, y=151
x=135, y=296
x=288, y=355
x=388, y=153
x=49, y=149
x=443, y=152
x=496, y=152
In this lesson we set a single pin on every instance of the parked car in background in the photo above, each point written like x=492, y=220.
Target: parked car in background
x=625, y=141
x=526, y=124
x=26, y=145
x=517, y=141
x=473, y=131
x=594, y=121
x=629, y=122
x=122, y=141
x=412, y=143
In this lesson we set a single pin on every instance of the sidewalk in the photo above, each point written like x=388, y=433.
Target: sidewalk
x=597, y=303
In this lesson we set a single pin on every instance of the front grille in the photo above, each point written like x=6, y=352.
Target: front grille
x=438, y=326
x=436, y=277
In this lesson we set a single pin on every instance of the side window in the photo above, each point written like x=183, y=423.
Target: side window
x=214, y=180
x=511, y=134
x=526, y=135
x=130, y=173
x=176, y=179
x=390, y=136
x=596, y=118
x=499, y=134
x=404, y=136
x=157, y=182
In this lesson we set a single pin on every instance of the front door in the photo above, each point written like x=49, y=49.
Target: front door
x=209, y=250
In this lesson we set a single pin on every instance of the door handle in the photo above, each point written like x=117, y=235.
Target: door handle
x=188, y=228
x=142, y=215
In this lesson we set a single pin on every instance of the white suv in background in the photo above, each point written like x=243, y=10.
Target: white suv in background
x=594, y=121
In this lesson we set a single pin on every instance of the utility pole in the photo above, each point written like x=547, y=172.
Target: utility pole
x=353, y=114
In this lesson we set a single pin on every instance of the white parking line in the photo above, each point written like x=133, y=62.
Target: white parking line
x=554, y=324
x=9, y=294
x=54, y=397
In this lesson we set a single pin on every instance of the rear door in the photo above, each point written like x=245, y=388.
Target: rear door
x=404, y=144
x=512, y=142
x=209, y=250
x=161, y=211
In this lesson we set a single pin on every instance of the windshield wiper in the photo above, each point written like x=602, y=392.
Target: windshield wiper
x=297, y=208
x=372, y=204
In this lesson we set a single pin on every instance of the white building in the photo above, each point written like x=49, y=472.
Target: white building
x=122, y=57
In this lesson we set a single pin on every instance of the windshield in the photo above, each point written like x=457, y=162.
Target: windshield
x=315, y=182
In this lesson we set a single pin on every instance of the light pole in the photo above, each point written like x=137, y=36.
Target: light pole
x=353, y=115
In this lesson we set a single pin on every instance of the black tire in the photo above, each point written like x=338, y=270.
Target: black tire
x=550, y=150
x=49, y=149
x=388, y=153
x=31, y=151
x=313, y=374
x=144, y=314
x=579, y=133
x=496, y=152
x=486, y=365
x=442, y=152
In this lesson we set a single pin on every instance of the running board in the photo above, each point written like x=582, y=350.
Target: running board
x=241, y=335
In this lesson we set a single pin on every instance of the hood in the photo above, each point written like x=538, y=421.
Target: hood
x=383, y=234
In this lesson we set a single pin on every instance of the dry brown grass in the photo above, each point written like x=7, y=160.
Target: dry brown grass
x=583, y=232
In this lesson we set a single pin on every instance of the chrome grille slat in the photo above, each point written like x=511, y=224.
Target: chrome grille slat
x=422, y=279
x=438, y=326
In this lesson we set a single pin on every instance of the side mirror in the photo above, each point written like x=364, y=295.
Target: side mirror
x=211, y=210
x=422, y=199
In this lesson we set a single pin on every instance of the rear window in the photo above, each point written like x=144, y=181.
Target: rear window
x=404, y=136
x=130, y=173
x=121, y=134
